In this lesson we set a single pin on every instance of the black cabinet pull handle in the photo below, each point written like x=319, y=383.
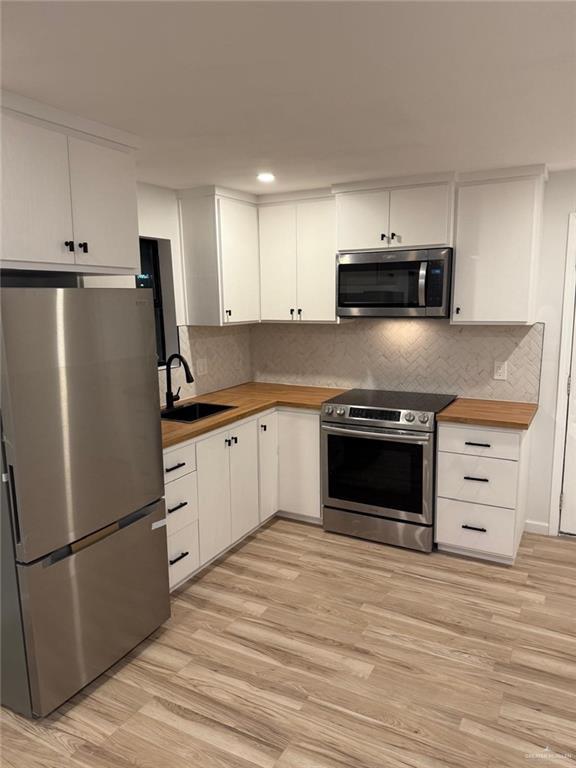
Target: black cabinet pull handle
x=299, y=313
x=70, y=245
x=177, y=507
x=176, y=466
x=457, y=310
x=180, y=557
x=235, y=440
x=392, y=235
x=476, y=479
x=263, y=427
x=83, y=247
x=292, y=313
x=228, y=442
x=383, y=236
x=474, y=528
x=478, y=445
x=228, y=312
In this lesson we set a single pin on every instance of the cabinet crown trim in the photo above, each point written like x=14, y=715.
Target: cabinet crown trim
x=56, y=118
x=395, y=181
x=503, y=174
x=214, y=191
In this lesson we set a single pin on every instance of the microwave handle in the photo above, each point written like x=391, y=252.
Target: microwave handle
x=422, y=283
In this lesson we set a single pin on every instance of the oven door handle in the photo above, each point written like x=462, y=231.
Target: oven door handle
x=390, y=437
x=422, y=283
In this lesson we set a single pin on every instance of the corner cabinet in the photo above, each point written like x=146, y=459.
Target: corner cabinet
x=298, y=261
x=69, y=203
x=221, y=258
x=496, y=249
x=399, y=217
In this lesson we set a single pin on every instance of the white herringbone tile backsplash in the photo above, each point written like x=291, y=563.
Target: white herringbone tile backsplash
x=419, y=355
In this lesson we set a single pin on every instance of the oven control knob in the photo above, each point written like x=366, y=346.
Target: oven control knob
x=340, y=411
x=329, y=410
x=423, y=418
x=410, y=417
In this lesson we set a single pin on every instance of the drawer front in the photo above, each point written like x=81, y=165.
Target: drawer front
x=479, y=442
x=477, y=479
x=183, y=554
x=456, y=521
x=179, y=462
x=181, y=502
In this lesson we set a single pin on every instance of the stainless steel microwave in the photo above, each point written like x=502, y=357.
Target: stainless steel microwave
x=414, y=283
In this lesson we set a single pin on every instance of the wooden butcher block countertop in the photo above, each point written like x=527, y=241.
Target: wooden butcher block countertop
x=489, y=413
x=248, y=399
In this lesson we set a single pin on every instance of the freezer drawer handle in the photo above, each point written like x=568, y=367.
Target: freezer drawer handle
x=474, y=528
x=177, y=507
x=478, y=445
x=181, y=556
x=477, y=479
x=176, y=466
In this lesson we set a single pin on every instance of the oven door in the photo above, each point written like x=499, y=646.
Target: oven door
x=379, y=284
x=388, y=473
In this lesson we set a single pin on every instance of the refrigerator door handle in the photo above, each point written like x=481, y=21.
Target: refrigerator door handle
x=14, y=505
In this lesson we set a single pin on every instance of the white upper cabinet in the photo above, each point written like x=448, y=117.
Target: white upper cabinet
x=316, y=260
x=69, y=203
x=36, y=204
x=497, y=242
x=221, y=258
x=278, y=261
x=400, y=217
x=420, y=216
x=104, y=207
x=363, y=220
x=298, y=261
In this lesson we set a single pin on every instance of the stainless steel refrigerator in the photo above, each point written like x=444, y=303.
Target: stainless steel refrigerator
x=84, y=560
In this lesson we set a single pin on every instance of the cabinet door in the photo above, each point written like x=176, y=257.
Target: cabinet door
x=244, y=478
x=316, y=249
x=268, y=465
x=238, y=230
x=495, y=251
x=299, y=462
x=213, y=460
x=36, y=205
x=420, y=216
x=104, y=205
x=363, y=220
x=277, y=226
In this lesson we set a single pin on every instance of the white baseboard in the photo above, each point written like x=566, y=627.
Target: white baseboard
x=535, y=526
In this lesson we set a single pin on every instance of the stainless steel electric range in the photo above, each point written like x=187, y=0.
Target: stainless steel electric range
x=379, y=465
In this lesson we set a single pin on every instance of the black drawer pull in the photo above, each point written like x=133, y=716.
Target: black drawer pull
x=180, y=557
x=176, y=466
x=478, y=445
x=263, y=427
x=235, y=440
x=177, y=507
x=474, y=528
x=477, y=479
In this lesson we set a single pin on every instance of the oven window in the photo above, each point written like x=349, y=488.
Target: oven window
x=379, y=285
x=375, y=472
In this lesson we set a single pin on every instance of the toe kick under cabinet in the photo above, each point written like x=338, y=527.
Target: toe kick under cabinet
x=481, y=491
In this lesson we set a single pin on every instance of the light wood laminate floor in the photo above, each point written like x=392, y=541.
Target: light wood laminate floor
x=304, y=649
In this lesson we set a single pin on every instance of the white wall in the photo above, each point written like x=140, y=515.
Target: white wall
x=559, y=201
x=158, y=217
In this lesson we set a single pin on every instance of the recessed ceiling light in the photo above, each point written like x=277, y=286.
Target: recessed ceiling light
x=266, y=177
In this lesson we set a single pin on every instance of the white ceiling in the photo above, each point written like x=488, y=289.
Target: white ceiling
x=316, y=92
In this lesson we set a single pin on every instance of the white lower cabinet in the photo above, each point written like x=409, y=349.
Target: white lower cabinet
x=183, y=554
x=244, y=479
x=268, y=464
x=214, y=511
x=181, y=502
x=299, y=463
x=480, y=509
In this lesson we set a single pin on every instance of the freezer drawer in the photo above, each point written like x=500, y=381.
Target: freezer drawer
x=84, y=612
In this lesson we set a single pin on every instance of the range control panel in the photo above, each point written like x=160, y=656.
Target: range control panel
x=422, y=421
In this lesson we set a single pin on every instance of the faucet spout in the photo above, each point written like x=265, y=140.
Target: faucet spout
x=170, y=396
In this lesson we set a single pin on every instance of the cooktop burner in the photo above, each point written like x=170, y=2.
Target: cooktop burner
x=385, y=410
x=402, y=401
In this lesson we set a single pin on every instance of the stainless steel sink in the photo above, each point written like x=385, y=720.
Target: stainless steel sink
x=194, y=411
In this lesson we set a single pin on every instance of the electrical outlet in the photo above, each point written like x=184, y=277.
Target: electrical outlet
x=501, y=371
x=202, y=366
